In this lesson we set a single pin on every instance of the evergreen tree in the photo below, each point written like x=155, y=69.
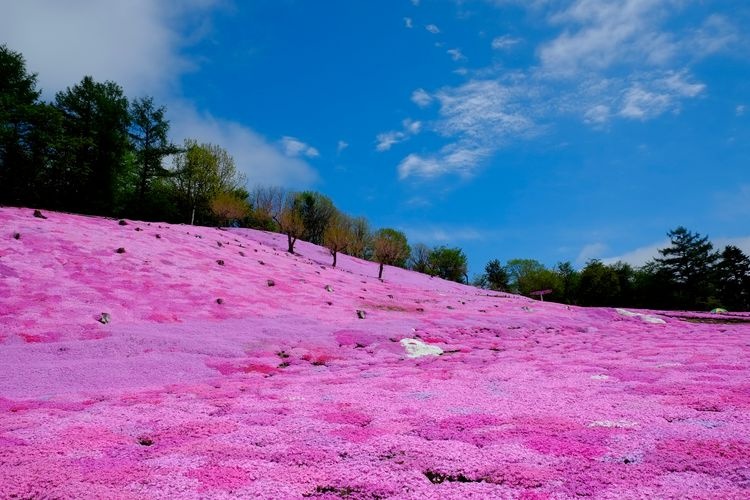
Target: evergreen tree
x=316, y=210
x=18, y=114
x=496, y=275
x=599, y=285
x=92, y=156
x=569, y=279
x=689, y=263
x=148, y=133
x=733, y=279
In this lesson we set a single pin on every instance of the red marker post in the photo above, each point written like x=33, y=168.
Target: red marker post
x=541, y=293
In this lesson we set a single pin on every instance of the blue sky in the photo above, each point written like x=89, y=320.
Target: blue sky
x=548, y=129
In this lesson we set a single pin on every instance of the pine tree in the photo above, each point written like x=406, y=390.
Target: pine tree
x=733, y=279
x=689, y=262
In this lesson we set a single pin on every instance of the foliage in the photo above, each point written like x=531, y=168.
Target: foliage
x=18, y=103
x=229, y=207
x=94, y=144
x=688, y=261
x=148, y=134
x=496, y=275
x=200, y=173
x=316, y=210
x=448, y=263
x=290, y=222
x=419, y=258
x=569, y=282
x=733, y=279
x=599, y=285
x=390, y=248
x=528, y=275
x=361, y=244
x=337, y=235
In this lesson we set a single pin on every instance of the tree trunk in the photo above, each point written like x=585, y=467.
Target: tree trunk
x=290, y=241
x=380, y=273
x=192, y=217
x=334, y=259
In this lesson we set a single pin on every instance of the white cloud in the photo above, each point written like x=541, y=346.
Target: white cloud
x=641, y=255
x=134, y=43
x=461, y=160
x=600, y=34
x=716, y=34
x=387, y=139
x=421, y=98
x=638, y=256
x=590, y=251
x=456, y=54
x=259, y=160
x=341, y=145
x=432, y=29
x=294, y=147
x=415, y=165
x=139, y=44
x=483, y=111
x=739, y=110
x=504, y=42
x=480, y=116
x=442, y=235
x=597, y=114
x=408, y=23
x=741, y=242
x=412, y=127
x=663, y=94
x=640, y=103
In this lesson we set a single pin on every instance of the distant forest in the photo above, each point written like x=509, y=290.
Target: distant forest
x=92, y=150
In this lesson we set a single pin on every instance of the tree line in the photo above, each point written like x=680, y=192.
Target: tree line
x=688, y=275
x=92, y=150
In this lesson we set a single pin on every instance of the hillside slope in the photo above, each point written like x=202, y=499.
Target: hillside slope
x=280, y=390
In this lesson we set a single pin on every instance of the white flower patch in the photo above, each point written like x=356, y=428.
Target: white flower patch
x=620, y=424
x=669, y=365
x=416, y=348
x=646, y=318
x=599, y=377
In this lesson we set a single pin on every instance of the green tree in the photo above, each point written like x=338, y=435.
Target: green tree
x=229, y=207
x=496, y=276
x=419, y=260
x=290, y=221
x=337, y=235
x=316, y=210
x=29, y=130
x=652, y=287
x=448, y=263
x=390, y=248
x=95, y=123
x=200, y=173
x=528, y=275
x=733, y=279
x=599, y=285
x=360, y=245
x=569, y=279
x=148, y=134
x=689, y=262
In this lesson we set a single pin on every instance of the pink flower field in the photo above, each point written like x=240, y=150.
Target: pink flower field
x=226, y=368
